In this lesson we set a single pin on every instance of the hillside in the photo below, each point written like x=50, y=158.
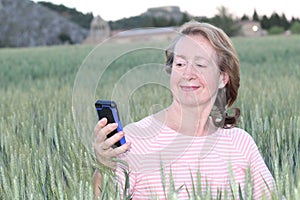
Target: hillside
x=25, y=23
x=83, y=20
x=153, y=17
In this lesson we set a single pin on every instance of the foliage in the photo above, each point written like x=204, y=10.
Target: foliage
x=83, y=20
x=295, y=28
x=225, y=20
x=275, y=30
x=145, y=21
x=295, y=20
x=185, y=18
x=42, y=156
x=162, y=22
x=245, y=18
x=284, y=22
x=65, y=38
x=276, y=20
x=265, y=23
x=255, y=16
x=131, y=22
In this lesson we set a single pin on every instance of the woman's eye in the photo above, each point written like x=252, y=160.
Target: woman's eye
x=200, y=65
x=179, y=64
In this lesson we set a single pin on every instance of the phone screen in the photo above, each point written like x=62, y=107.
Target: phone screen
x=109, y=110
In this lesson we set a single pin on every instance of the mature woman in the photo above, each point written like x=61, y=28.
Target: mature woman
x=194, y=139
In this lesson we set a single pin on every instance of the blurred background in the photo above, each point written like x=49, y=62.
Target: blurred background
x=38, y=23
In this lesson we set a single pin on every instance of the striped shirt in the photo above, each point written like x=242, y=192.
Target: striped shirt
x=211, y=164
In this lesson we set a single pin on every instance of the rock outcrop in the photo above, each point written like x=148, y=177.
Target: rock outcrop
x=25, y=23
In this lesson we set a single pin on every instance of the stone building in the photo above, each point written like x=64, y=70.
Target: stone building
x=166, y=12
x=251, y=28
x=99, y=31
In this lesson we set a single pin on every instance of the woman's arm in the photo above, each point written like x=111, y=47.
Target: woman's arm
x=97, y=180
x=104, y=152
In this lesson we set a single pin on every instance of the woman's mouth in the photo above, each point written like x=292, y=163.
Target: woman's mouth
x=189, y=88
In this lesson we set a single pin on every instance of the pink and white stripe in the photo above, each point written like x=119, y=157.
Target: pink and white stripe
x=155, y=145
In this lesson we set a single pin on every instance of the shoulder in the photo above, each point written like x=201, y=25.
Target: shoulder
x=236, y=134
x=239, y=138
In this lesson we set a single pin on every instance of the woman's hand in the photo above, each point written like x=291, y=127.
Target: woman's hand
x=104, y=152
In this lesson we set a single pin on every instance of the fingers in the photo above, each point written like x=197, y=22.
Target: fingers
x=104, y=152
x=101, y=123
x=102, y=129
x=109, y=142
x=122, y=149
x=108, y=157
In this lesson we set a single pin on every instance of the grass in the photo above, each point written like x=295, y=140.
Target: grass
x=42, y=154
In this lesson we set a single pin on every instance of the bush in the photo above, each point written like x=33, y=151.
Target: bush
x=295, y=28
x=276, y=30
x=65, y=38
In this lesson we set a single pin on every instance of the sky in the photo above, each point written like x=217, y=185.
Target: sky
x=118, y=9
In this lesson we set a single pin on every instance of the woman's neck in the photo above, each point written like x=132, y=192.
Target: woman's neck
x=187, y=120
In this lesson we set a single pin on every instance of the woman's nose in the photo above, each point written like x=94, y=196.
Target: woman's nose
x=189, y=71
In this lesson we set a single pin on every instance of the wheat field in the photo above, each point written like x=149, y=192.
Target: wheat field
x=43, y=156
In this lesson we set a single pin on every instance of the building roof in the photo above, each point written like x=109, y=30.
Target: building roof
x=146, y=31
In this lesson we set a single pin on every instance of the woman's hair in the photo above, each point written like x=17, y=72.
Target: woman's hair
x=227, y=61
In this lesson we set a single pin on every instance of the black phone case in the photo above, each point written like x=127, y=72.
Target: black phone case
x=108, y=109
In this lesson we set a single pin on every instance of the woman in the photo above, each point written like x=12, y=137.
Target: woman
x=193, y=140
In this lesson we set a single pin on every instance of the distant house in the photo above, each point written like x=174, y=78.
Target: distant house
x=99, y=31
x=251, y=28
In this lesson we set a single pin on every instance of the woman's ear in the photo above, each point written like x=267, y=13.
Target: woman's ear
x=224, y=79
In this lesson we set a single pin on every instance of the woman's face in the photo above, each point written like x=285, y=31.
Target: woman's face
x=195, y=76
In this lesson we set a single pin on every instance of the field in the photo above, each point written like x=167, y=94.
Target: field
x=44, y=155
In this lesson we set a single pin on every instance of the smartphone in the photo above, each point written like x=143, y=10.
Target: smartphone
x=108, y=109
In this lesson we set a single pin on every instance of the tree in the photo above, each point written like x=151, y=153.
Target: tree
x=185, y=18
x=294, y=20
x=255, y=16
x=172, y=22
x=265, y=23
x=276, y=30
x=284, y=22
x=275, y=20
x=295, y=27
x=245, y=18
x=65, y=38
x=160, y=22
x=83, y=20
x=225, y=21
